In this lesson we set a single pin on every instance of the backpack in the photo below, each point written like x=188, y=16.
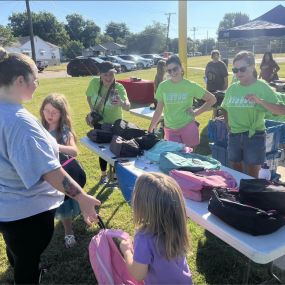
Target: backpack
x=244, y=217
x=263, y=194
x=162, y=146
x=73, y=168
x=187, y=161
x=198, y=186
x=107, y=261
x=147, y=141
x=127, y=130
x=100, y=136
x=218, y=132
x=124, y=148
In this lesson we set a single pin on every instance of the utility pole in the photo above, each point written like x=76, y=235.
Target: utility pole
x=207, y=44
x=194, y=31
x=168, y=25
x=31, y=30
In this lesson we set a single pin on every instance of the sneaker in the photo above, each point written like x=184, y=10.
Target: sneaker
x=69, y=241
x=104, y=179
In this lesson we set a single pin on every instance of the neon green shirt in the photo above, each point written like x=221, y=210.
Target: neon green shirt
x=177, y=99
x=244, y=115
x=110, y=112
x=279, y=118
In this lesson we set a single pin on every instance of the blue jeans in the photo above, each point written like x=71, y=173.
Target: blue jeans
x=251, y=150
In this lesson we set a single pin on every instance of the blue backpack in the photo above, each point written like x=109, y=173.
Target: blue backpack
x=162, y=146
x=187, y=161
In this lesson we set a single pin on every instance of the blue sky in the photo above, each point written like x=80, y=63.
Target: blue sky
x=205, y=16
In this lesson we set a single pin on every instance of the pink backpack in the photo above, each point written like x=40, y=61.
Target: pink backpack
x=106, y=260
x=198, y=186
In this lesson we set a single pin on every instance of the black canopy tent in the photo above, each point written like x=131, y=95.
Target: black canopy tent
x=270, y=26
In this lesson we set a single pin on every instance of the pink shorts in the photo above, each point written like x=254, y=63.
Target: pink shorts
x=189, y=135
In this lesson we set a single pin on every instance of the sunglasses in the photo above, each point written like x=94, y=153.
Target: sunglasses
x=174, y=69
x=241, y=69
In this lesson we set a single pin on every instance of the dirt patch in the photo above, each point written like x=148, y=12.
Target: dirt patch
x=53, y=74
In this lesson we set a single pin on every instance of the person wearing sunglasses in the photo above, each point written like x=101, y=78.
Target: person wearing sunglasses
x=175, y=98
x=244, y=107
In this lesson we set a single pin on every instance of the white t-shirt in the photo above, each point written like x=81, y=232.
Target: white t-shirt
x=27, y=152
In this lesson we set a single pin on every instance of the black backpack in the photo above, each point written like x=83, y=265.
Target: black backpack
x=124, y=148
x=147, y=141
x=244, y=217
x=127, y=130
x=263, y=194
x=100, y=136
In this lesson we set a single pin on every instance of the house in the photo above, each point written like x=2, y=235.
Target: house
x=108, y=48
x=45, y=51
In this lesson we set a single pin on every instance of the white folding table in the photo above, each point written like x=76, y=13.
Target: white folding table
x=259, y=249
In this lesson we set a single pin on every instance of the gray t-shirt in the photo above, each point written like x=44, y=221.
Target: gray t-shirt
x=27, y=152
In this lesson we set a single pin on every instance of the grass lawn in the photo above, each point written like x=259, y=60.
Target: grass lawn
x=211, y=260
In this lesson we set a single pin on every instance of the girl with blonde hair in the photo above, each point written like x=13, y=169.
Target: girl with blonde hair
x=161, y=240
x=55, y=116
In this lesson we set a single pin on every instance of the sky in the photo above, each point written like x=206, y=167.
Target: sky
x=204, y=16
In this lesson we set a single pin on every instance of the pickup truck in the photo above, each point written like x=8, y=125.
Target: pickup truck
x=41, y=65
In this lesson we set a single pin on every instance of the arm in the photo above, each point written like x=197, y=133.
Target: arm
x=61, y=181
x=137, y=270
x=276, y=109
x=209, y=99
x=156, y=116
x=125, y=104
x=71, y=147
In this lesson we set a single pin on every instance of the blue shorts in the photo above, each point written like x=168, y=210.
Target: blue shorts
x=241, y=148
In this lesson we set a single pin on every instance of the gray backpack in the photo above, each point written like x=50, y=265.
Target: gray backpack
x=125, y=148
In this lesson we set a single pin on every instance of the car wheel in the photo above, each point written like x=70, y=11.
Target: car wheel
x=124, y=68
x=140, y=65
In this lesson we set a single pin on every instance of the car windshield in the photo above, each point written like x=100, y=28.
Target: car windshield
x=99, y=60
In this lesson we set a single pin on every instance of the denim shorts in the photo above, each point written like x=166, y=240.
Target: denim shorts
x=251, y=150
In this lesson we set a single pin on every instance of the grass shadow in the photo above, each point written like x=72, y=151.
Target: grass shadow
x=220, y=263
x=203, y=147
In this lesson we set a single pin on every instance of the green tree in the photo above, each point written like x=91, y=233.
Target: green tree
x=72, y=49
x=151, y=40
x=6, y=36
x=85, y=31
x=117, y=30
x=206, y=46
x=45, y=25
x=231, y=20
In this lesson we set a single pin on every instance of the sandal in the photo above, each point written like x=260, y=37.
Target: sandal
x=69, y=241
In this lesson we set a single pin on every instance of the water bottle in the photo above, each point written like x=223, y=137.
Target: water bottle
x=264, y=172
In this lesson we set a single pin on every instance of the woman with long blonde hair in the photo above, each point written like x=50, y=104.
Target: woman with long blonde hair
x=161, y=240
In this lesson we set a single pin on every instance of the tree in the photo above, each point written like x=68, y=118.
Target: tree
x=117, y=30
x=6, y=37
x=206, y=46
x=231, y=20
x=45, y=25
x=151, y=40
x=85, y=31
x=72, y=49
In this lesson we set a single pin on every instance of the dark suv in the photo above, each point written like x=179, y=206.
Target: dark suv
x=82, y=66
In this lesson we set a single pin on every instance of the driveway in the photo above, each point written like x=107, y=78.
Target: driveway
x=53, y=74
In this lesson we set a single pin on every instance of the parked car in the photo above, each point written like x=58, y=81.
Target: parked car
x=197, y=53
x=126, y=65
x=41, y=65
x=82, y=66
x=155, y=57
x=140, y=61
x=117, y=66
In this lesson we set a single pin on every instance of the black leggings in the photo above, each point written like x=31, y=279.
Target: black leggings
x=26, y=239
x=103, y=164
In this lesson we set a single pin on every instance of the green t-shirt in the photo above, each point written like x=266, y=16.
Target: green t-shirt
x=244, y=115
x=177, y=99
x=279, y=118
x=110, y=112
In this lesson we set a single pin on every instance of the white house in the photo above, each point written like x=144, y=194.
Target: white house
x=45, y=51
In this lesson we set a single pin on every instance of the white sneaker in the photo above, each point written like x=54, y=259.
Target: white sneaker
x=69, y=241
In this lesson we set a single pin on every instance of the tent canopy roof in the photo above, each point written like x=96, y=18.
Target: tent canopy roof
x=270, y=24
